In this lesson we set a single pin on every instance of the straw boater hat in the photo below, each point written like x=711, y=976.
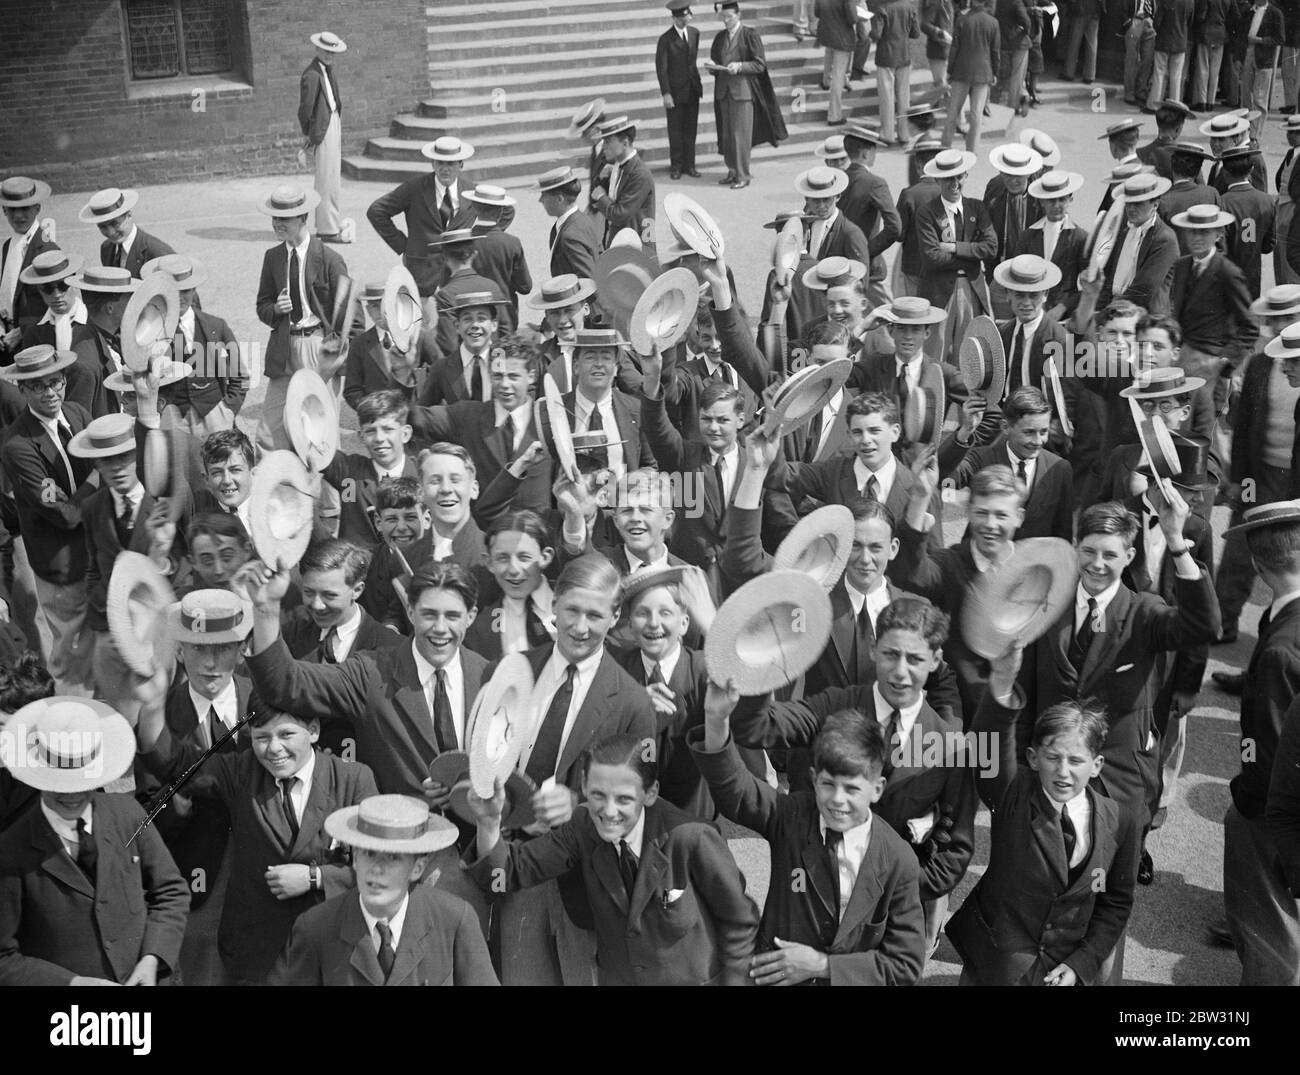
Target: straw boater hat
x=210, y=618
x=1027, y=272
x=487, y=194
x=833, y=272
x=1282, y=300
x=822, y=182
x=1021, y=599
x=1145, y=187
x=561, y=291
x=1043, y=144
x=818, y=546
x=169, y=373
x=1161, y=382
x=1225, y=125
x=693, y=226
x=396, y=824
x=106, y=205
x=617, y=125
x=1193, y=462
x=108, y=435
x=67, y=745
x=289, y=201
x=1292, y=122
x=18, y=191
x=1055, y=185
x=311, y=418
x=862, y=133
x=373, y=291
x=646, y=578
x=949, y=163
x=401, y=308
x=499, y=723
x=926, y=142
x=1158, y=446
x=35, y=362
x=1285, y=345
x=447, y=148
x=106, y=279
x=49, y=266
x=469, y=300
x=1239, y=153
x=832, y=148
x=1122, y=127
x=187, y=271
x=152, y=315
x=622, y=275
x=909, y=310
x=136, y=608
x=788, y=248
x=923, y=413
x=1127, y=170
x=558, y=177
x=769, y=632
x=983, y=359
x=804, y=394
x=1177, y=107
x=1012, y=158
x=455, y=237
x=1278, y=513
x=665, y=311
x=282, y=509
x=778, y=222
x=329, y=42
x=586, y=117
x=1202, y=217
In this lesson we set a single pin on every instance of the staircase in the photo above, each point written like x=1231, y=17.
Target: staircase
x=507, y=77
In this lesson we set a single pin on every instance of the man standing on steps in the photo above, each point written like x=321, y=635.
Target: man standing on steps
x=677, y=65
x=320, y=112
x=744, y=103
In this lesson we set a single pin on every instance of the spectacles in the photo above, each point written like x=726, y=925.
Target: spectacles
x=58, y=286
x=1164, y=406
x=47, y=386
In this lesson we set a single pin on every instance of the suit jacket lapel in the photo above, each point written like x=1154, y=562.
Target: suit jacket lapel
x=267, y=799
x=410, y=699
x=406, y=960
x=57, y=862
x=314, y=810
x=605, y=864
x=1101, y=653
x=591, y=713
x=1046, y=827
x=843, y=628
x=650, y=871
x=352, y=932
x=867, y=889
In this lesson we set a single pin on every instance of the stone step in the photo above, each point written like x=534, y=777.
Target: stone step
x=551, y=20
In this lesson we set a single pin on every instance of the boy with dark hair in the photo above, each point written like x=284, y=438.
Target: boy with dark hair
x=228, y=460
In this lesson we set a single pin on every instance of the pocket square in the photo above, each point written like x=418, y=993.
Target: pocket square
x=672, y=895
x=1124, y=668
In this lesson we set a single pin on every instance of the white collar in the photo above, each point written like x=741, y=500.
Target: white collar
x=348, y=628
x=305, y=773
x=856, y=839
x=395, y=471
x=1028, y=329
x=667, y=666
x=520, y=414
x=394, y=922
x=559, y=220
x=301, y=247
x=586, y=667
x=635, y=563
x=1281, y=602
x=580, y=401
x=906, y=717
x=226, y=704
x=636, y=838
x=67, y=830
x=1103, y=599
x=426, y=671
x=884, y=476
x=77, y=316
x=133, y=496
x=982, y=562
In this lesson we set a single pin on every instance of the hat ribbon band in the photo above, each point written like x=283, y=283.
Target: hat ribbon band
x=125, y=437
x=26, y=192
x=293, y=203
x=1160, y=385
x=201, y=623
x=383, y=831
x=68, y=758
x=562, y=296
x=121, y=201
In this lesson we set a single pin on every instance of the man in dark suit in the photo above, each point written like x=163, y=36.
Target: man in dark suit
x=1011, y=210
x=956, y=233
x=625, y=190
x=1251, y=235
x=1185, y=164
x=49, y=487
x=371, y=356
x=972, y=69
x=868, y=203
x=677, y=68
x=1229, y=130
x=320, y=116
x=574, y=237
x=1144, y=252
x=565, y=304
x=104, y=292
x=910, y=200
x=431, y=204
x=744, y=104
x=295, y=296
x=65, y=326
x=1057, y=238
x=1170, y=117
x=20, y=304
x=79, y=903
x=498, y=255
x=595, y=404
x=473, y=306
x=837, y=33
x=125, y=245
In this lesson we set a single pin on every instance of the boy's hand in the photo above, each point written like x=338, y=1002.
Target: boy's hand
x=523, y=462
x=790, y=964
x=572, y=498
x=437, y=795
x=719, y=701
x=1173, y=511
x=714, y=271
x=662, y=698
x=760, y=449
x=1183, y=702
x=972, y=413
x=1061, y=975
x=694, y=590
x=553, y=804
x=487, y=811
x=283, y=303
x=289, y=881
x=1003, y=671
x=925, y=469
x=145, y=973
x=260, y=585
x=652, y=368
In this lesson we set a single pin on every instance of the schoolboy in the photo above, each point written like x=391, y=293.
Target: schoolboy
x=228, y=461
x=520, y=553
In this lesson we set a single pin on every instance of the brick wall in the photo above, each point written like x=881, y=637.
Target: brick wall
x=68, y=111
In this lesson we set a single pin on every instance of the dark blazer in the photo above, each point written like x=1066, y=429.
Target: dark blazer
x=1248, y=242
x=576, y=246
x=1067, y=256
x=1155, y=260
x=220, y=375
x=1049, y=508
x=85, y=376
x=1158, y=154
x=52, y=532
x=380, y=598
x=677, y=65
x=322, y=272
x=977, y=245
x=633, y=204
x=302, y=636
x=1258, y=170
x=1173, y=23
x=1249, y=418
x=837, y=22
x=254, y=923
x=377, y=696
x=1182, y=196
x=894, y=23
x=1268, y=694
x=366, y=370
x=417, y=200
x=29, y=307
x=1122, y=669
x=1030, y=911
x=910, y=792
x=484, y=634
x=910, y=200
x=445, y=380
x=704, y=935
x=353, y=475
x=313, y=105
x=880, y=939
x=1214, y=309
x=441, y=944
x=99, y=528
x=753, y=83
x=996, y=203
x=843, y=239
x=145, y=248
x=55, y=924
x=976, y=45
x=867, y=202
x=499, y=256
x=1283, y=810
x=627, y=380
x=1210, y=23
x=627, y=413
x=1271, y=35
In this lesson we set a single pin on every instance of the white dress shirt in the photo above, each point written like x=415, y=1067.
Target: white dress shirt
x=1080, y=811
x=345, y=634
x=616, y=173
x=885, y=476
x=133, y=497
x=850, y=852
x=667, y=665
x=301, y=789
x=329, y=90
x=1052, y=234
x=67, y=830
x=729, y=464
x=395, y=471
x=309, y=319
x=51, y=427
x=1126, y=263
x=13, y=266
x=514, y=621
x=226, y=704
x=521, y=416
x=1281, y=603
x=1103, y=600
x=875, y=601
x=1021, y=337
x=186, y=327
x=440, y=192
x=548, y=683
x=467, y=360
x=63, y=324
x=818, y=235
x=911, y=369
x=635, y=563
x=395, y=924
x=954, y=211
x=635, y=839
x=1031, y=467
x=455, y=680
x=583, y=406
x=906, y=717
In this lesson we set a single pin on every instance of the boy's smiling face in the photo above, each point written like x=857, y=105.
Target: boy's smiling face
x=616, y=799
x=993, y=522
x=231, y=480
x=517, y=561
x=282, y=745
x=1028, y=436
x=1102, y=559
x=874, y=545
x=845, y=802
x=1064, y=766
x=328, y=597
x=873, y=438
x=449, y=488
x=657, y=622
x=385, y=440
x=401, y=527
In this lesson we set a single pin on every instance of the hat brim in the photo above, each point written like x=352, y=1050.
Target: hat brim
x=62, y=360
x=310, y=202
x=1056, y=390
x=1022, y=599
x=787, y=251
x=647, y=578
x=1261, y=308
x=1002, y=274
x=665, y=311
x=282, y=509
x=32, y=274
x=150, y=317
x=311, y=418
x=1124, y=128
x=1189, y=386
x=1279, y=513
x=117, y=381
x=1103, y=236
x=886, y=313
x=769, y=632
x=178, y=632
x=1183, y=220
x=818, y=546
x=1159, y=190
x=804, y=394
x=428, y=152
x=117, y=753
x=401, y=308
x=622, y=275
x=88, y=216
x=499, y=723
x=926, y=405
x=932, y=170
x=1030, y=168
x=42, y=194
x=581, y=123
x=813, y=281
x=337, y=46
x=1074, y=185
x=1159, y=448
x=127, y=287
x=341, y=825
x=198, y=272
x=838, y=187
x=136, y=606
x=586, y=289
x=983, y=359
x=1052, y=157
x=693, y=226
x=1207, y=128
x=553, y=420
x=518, y=812
x=80, y=446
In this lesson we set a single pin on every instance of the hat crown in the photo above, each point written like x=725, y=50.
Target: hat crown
x=1203, y=212
x=67, y=734
x=177, y=266
x=833, y=268
x=909, y=308
x=597, y=337
x=949, y=159
x=52, y=261
x=1016, y=155
x=392, y=817
x=1054, y=181
x=110, y=430
x=104, y=200
x=106, y=276
x=34, y=358
x=820, y=178
x=1027, y=268
x=446, y=144
x=287, y=198
x=1161, y=377
x=16, y=187
x=210, y=611
x=1282, y=296
x=567, y=285
x=1290, y=335
x=1140, y=184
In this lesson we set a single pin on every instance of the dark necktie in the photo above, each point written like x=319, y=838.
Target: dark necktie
x=900, y=390
x=87, y=853
x=1083, y=636
x=65, y=436
x=327, y=644
x=217, y=729
x=444, y=727
x=508, y=435
x=891, y=734
x=295, y=287
x=546, y=751
x=864, y=643
x=123, y=524
x=656, y=675
x=814, y=437
x=554, y=234
x=286, y=804
x=448, y=210
x=476, y=380
x=1022, y=472
x=872, y=489
x=119, y=256
x=722, y=486
x=1068, y=835
x=627, y=864
x=386, y=954
x=723, y=373
x=833, y=841
x=595, y=423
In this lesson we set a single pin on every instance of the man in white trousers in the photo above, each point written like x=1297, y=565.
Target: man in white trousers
x=320, y=111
